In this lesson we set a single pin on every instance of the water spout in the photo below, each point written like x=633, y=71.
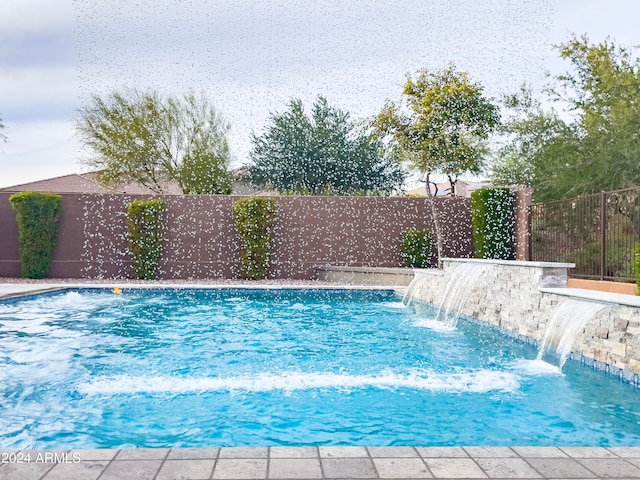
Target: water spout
x=417, y=281
x=567, y=321
x=457, y=291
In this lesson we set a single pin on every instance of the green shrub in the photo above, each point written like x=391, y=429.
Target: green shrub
x=416, y=248
x=255, y=219
x=637, y=267
x=145, y=237
x=37, y=215
x=492, y=221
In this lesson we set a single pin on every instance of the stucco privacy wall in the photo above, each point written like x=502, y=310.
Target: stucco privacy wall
x=521, y=297
x=200, y=240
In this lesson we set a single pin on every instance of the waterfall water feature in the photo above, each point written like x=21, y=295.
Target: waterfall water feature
x=457, y=291
x=568, y=319
x=418, y=280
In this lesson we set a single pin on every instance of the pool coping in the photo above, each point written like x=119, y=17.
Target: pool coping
x=325, y=462
x=595, y=296
x=17, y=290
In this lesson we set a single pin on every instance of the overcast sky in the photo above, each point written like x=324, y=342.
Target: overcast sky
x=253, y=56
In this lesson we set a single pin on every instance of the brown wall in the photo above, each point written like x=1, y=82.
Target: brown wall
x=200, y=237
x=9, y=248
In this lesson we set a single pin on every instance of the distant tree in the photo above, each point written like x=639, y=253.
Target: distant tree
x=3, y=137
x=534, y=146
x=321, y=154
x=596, y=146
x=140, y=136
x=442, y=128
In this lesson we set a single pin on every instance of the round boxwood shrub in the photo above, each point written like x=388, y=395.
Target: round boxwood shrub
x=416, y=247
x=145, y=237
x=38, y=215
x=254, y=218
x=492, y=221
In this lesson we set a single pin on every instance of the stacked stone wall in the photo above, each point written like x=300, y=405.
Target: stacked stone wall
x=612, y=338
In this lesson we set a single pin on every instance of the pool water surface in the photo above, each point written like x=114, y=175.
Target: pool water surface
x=250, y=367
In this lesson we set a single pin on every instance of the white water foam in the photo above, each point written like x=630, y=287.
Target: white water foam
x=479, y=381
x=80, y=302
x=536, y=368
x=435, y=325
x=398, y=305
x=72, y=298
x=300, y=307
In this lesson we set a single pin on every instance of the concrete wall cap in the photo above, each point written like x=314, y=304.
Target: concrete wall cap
x=595, y=296
x=337, y=268
x=514, y=263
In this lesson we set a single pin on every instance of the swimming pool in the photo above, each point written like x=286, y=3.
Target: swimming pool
x=250, y=367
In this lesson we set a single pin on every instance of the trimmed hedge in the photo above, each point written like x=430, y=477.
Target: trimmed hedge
x=254, y=219
x=416, y=248
x=38, y=215
x=145, y=237
x=492, y=221
x=637, y=268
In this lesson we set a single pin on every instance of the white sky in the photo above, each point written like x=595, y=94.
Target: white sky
x=253, y=56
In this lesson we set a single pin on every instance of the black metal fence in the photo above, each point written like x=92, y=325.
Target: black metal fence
x=596, y=232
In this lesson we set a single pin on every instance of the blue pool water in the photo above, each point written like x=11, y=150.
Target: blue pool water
x=235, y=367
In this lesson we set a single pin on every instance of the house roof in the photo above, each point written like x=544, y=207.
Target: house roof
x=86, y=183
x=73, y=183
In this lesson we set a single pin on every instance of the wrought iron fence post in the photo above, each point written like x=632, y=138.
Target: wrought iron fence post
x=603, y=234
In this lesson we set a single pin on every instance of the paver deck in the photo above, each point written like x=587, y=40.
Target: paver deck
x=323, y=463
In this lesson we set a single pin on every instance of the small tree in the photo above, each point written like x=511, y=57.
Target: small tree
x=442, y=128
x=142, y=136
x=320, y=154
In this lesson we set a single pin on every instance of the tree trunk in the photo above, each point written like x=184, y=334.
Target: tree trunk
x=436, y=221
x=452, y=182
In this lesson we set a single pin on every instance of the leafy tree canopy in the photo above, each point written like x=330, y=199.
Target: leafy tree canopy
x=596, y=146
x=321, y=154
x=145, y=137
x=442, y=126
